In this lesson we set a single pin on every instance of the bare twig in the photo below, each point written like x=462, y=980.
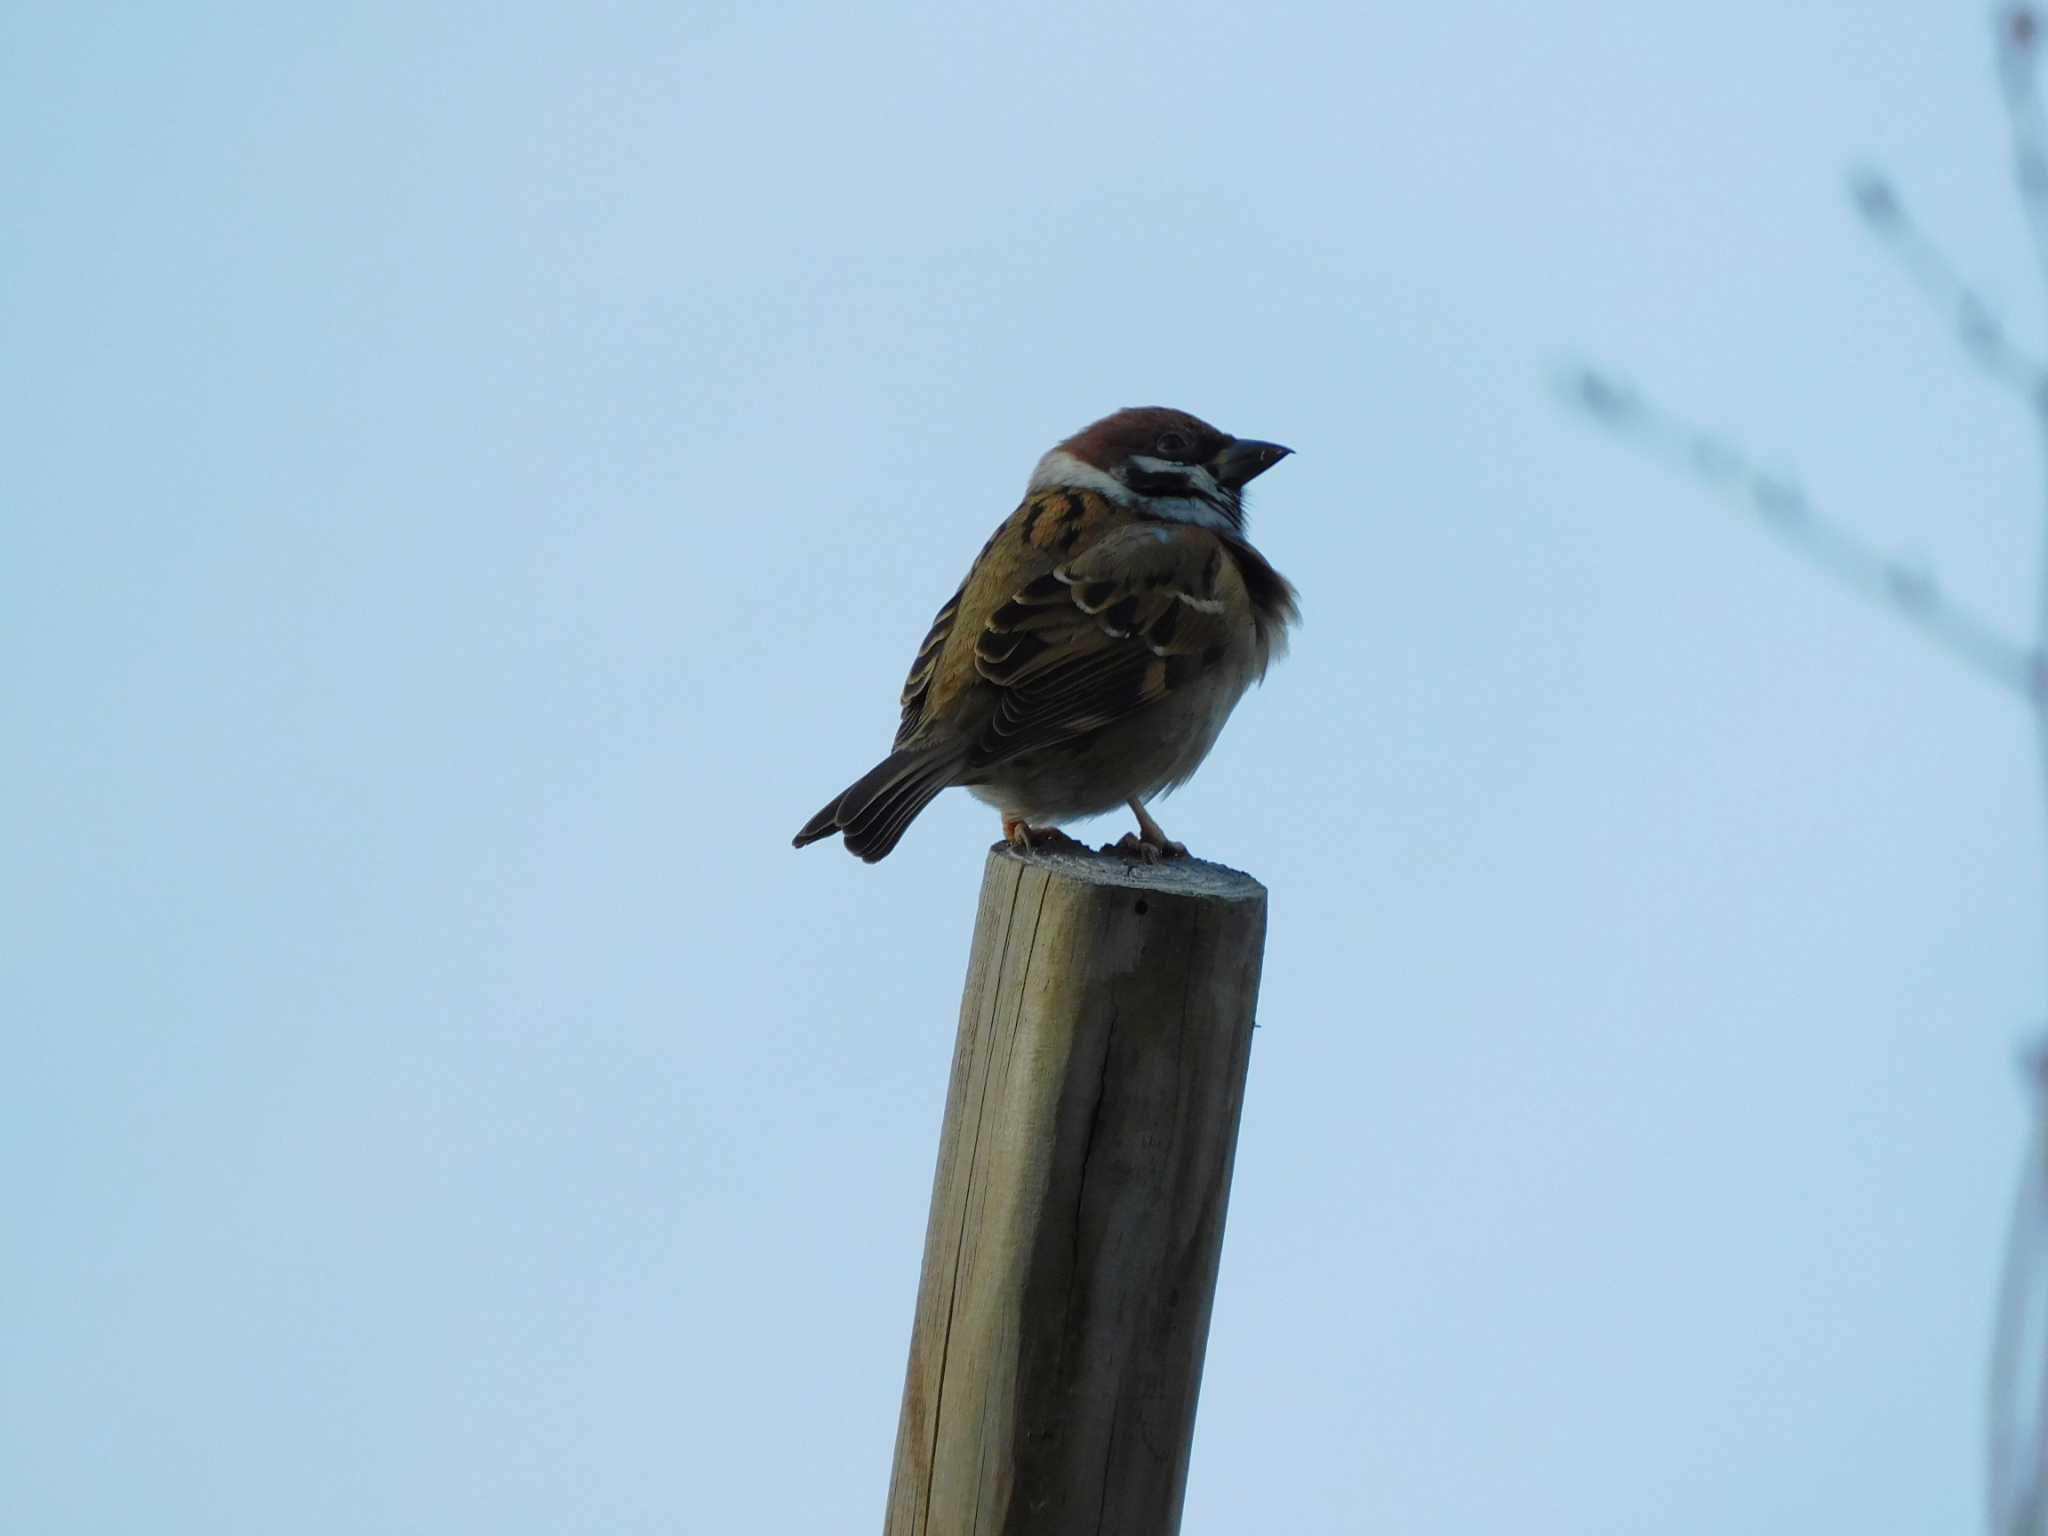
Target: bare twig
x=1780, y=505
x=2014, y=1462
x=2018, y=1452
x=2018, y=52
x=2017, y=46
x=1976, y=324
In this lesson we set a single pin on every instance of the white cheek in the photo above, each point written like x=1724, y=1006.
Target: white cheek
x=1061, y=471
x=1188, y=509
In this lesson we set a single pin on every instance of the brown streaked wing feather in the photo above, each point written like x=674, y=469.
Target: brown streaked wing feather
x=917, y=686
x=1127, y=621
x=1045, y=529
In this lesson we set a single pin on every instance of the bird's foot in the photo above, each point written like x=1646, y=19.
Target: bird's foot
x=1150, y=842
x=1143, y=849
x=1029, y=839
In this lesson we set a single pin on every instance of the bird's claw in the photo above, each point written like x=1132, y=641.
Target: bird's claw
x=1132, y=846
x=1028, y=839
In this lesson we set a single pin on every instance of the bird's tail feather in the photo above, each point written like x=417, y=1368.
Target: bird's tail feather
x=876, y=808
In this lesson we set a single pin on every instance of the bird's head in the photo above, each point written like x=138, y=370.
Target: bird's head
x=1163, y=462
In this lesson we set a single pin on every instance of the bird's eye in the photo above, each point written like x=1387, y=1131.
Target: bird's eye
x=1172, y=444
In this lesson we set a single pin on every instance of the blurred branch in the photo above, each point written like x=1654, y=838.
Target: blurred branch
x=2017, y=47
x=2018, y=1451
x=1975, y=323
x=1780, y=505
x=2017, y=1407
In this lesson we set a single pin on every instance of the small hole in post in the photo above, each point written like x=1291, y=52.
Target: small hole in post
x=1141, y=908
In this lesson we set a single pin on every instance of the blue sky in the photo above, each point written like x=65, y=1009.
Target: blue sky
x=472, y=479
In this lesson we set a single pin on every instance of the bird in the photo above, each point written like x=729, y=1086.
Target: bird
x=1097, y=645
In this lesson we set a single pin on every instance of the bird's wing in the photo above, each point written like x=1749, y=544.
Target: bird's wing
x=1046, y=528
x=917, y=687
x=1144, y=610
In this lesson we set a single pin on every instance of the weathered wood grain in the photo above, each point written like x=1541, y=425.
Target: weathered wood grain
x=1077, y=1211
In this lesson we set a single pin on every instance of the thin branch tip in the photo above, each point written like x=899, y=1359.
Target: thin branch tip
x=1873, y=196
x=1599, y=394
x=2019, y=28
x=1780, y=503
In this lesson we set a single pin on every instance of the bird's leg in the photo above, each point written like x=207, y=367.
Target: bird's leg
x=1026, y=838
x=1150, y=842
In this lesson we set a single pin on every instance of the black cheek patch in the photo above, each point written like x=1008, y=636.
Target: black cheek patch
x=1158, y=482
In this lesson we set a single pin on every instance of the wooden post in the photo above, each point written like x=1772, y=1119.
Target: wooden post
x=1077, y=1211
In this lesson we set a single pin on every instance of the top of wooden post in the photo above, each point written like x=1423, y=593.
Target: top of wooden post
x=1197, y=878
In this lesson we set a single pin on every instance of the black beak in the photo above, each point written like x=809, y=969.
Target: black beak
x=1243, y=459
